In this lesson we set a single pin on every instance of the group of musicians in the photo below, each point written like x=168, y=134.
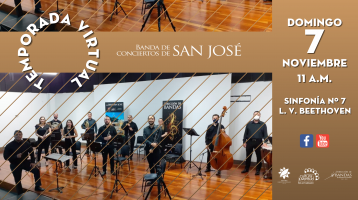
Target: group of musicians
x=154, y=135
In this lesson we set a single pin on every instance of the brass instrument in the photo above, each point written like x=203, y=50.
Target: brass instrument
x=87, y=124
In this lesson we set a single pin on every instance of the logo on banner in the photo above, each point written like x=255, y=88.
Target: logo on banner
x=284, y=175
x=342, y=175
x=322, y=140
x=309, y=177
x=306, y=140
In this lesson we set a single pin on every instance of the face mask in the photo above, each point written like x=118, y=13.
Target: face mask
x=215, y=121
x=256, y=117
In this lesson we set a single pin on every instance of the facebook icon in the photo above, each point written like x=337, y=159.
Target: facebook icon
x=306, y=140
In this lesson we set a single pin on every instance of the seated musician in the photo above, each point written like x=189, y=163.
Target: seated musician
x=16, y=155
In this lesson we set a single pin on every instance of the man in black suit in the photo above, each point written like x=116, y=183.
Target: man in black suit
x=16, y=153
x=37, y=7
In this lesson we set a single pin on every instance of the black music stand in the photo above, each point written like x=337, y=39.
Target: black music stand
x=115, y=7
x=199, y=168
x=57, y=157
x=54, y=139
x=88, y=137
x=118, y=142
x=160, y=5
x=192, y=133
x=58, y=11
x=95, y=147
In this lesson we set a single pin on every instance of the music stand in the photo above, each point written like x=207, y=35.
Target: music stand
x=116, y=5
x=199, y=169
x=160, y=5
x=58, y=158
x=118, y=143
x=88, y=137
x=95, y=147
x=192, y=133
x=58, y=11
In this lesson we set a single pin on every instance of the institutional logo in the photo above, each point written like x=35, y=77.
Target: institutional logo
x=284, y=175
x=342, y=175
x=306, y=140
x=309, y=177
x=322, y=140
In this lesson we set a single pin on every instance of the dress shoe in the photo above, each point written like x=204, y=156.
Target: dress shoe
x=218, y=173
x=39, y=11
x=103, y=173
x=244, y=171
x=39, y=188
x=257, y=173
x=208, y=170
x=74, y=167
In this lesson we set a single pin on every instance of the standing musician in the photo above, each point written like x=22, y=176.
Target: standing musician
x=130, y=128
x=254, y=141
x=210, y=133
x=19, y=155
x=70, y=133
x=87, y=124
x=109, y=132
x=151, y=141
x=163, y=140
x=43, y=132
x=56, y=126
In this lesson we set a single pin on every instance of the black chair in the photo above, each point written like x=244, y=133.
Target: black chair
x=176, y=156
x=140, y=140
x=148, y=179
x=124, y=156
x=147, y=4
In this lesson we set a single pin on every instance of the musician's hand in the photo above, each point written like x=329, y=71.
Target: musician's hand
x=150, y=150
x=165, y=134
x=207, y=147
x=264, y=145
x=154, y=145
x=32, y=165
x=244, y=145
x=130, y=128
x=87, y=129
x=19, y=155
x=109, y=137
x=95, y=135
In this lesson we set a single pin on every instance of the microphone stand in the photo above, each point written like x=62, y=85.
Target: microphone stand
x=199, y=168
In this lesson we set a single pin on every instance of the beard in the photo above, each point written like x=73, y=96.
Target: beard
x=151, y=123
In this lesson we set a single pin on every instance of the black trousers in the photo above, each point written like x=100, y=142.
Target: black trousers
x=68, y=144
x=18, y=174
x=250, y=146
x=108, y=151
x=44, y=145
x=153, y=159
x=211, y=148
x=131, y=144
x=19, y=8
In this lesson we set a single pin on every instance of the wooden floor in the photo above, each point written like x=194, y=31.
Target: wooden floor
x=136, y=175
x=187, y=16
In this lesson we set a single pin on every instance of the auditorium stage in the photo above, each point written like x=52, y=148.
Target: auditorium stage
x=139, y=166
x=187, y=16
